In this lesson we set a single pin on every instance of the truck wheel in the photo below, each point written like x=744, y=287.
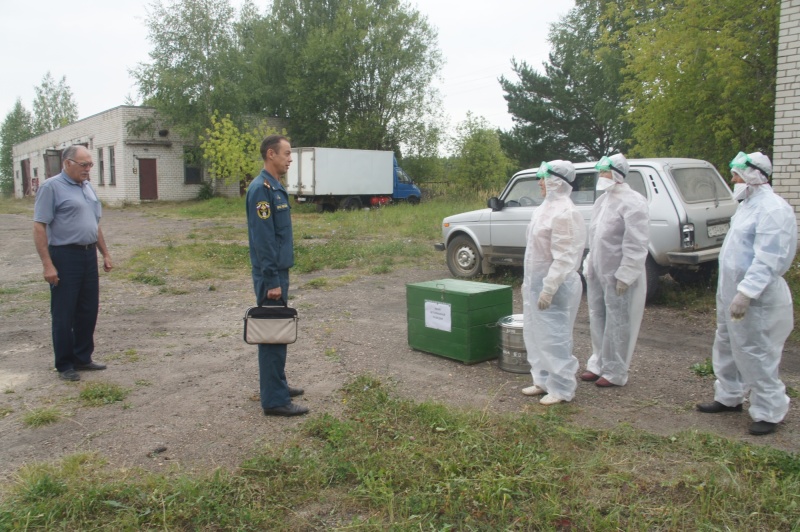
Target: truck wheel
x=463, y=257
x=653, y=274
x=413, y=200
x=350, y=203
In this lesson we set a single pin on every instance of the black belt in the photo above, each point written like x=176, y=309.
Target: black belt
x=78, y=246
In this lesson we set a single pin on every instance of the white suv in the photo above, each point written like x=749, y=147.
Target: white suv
x=690, y=210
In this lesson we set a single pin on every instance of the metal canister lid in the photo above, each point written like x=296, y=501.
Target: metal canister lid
x=514, y=321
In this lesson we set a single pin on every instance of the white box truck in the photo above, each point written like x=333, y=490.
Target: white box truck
x=335, y=178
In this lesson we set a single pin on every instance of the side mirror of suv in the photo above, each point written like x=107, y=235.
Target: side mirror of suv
x=495, y=204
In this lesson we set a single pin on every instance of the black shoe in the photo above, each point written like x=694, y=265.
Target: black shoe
x=288, y=410
x=762, y=428
x=294, y=392
x=94, y=366
x=69, y=375
x=715, y=407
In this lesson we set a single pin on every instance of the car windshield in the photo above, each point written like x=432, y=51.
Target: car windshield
x=700, y=184
x=524, y=192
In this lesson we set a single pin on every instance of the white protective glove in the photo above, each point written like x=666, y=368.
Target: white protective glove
x=545, y=300
x=739, y=306
x=621, y=288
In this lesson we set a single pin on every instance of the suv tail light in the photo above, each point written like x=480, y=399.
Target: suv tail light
x=687, y=236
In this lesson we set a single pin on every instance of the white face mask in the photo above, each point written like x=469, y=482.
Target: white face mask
x=739, y=191
x=604, y=183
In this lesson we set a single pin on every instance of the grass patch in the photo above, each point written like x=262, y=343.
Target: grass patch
x=102, y=393
x=393, y=464
x=126, y=357
x=173, y=291
x=9, y=291
x=5, y=411
x=194, y=261
x=148, y=278
x=374, y=241
x=703, y=369
x=39, y=417
x=16, y=206
x=319, y=282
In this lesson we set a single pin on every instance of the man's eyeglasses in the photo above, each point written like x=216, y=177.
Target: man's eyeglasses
x=82, y=165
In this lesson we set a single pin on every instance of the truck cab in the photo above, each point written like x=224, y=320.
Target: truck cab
x=404, y=187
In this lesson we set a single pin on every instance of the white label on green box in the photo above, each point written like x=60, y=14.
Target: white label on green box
x=437, y=315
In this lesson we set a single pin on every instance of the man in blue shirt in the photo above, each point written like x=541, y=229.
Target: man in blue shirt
x=67, y=235
x=269, y=228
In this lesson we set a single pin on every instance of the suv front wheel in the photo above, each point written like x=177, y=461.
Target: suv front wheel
x=463, y=257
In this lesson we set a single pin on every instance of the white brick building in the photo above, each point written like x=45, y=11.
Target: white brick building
x=786, y=151
x=132, y=164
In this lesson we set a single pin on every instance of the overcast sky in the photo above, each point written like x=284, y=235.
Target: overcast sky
x=94, y=43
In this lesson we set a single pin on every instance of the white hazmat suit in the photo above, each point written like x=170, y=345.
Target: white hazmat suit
x=757, y=251
x=551, y=288
x=616, y=285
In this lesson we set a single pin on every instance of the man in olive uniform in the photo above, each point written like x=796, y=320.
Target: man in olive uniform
x=269, y=228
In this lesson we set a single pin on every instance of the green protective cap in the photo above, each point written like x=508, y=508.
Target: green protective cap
x=544, y=170
x=604, y=165
x=740, y=162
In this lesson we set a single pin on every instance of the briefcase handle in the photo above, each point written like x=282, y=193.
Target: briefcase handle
x=285, y=304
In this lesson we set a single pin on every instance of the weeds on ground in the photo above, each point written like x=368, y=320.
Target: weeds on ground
x=703, y=369
x=102, y=393
x=39, y=417
x=389, y=463
x=126, y=357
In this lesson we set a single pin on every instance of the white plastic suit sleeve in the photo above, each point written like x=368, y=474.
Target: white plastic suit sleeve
x=567, y=240
x=634, y=243
x=773, y=248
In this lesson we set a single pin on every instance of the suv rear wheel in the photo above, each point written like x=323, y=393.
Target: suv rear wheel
x=463, y=257
x=699, y=277
x=653, y=271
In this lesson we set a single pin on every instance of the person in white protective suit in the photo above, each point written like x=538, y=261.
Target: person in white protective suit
x=551, y=289
x=754, y=305
x=616, y=284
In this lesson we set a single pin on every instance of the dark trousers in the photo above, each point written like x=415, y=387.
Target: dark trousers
x=272, y=357
x=74, y=304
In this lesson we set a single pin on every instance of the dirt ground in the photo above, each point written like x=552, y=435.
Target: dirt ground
x=194, y=383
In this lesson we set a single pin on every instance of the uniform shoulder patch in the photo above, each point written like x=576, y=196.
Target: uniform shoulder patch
x=262, y=209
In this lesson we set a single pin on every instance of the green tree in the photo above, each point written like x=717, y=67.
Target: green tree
x=53, y=106
x=349, y=73
x=700, y=76
x=575, y=109
x=480, y=163
x=233, y=155
x=195, y=63
x=17, y=127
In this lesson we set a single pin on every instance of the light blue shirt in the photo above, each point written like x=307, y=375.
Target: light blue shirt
x=70, y=210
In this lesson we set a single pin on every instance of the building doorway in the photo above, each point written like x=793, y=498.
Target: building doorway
x=148, y=180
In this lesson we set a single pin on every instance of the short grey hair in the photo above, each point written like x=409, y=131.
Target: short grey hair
x=70, y=151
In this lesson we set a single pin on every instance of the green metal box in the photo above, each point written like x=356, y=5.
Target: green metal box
x=457, y=319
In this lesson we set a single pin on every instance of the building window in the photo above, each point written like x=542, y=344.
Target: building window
x=112, y=171
x=192, y=166
x=100, y=173
x=35, y=172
